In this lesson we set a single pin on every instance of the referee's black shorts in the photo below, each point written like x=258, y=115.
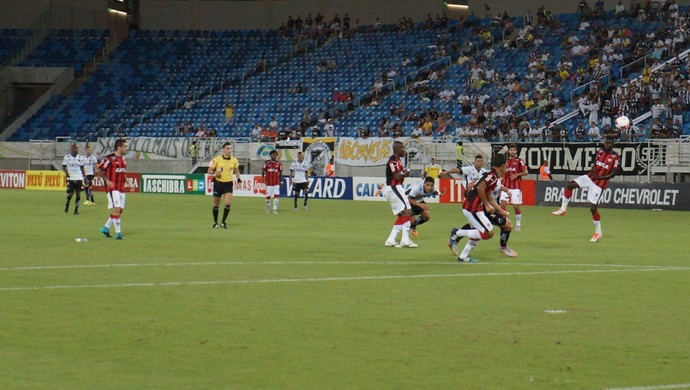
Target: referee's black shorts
x=221, y=188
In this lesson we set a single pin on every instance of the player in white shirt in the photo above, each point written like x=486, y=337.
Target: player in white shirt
x=416, y=194
x=73, y=164
x=90, y=162
x=470, y=173
x=298, y=177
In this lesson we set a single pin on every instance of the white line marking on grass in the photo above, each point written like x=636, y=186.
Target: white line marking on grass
x=329, y=279
x=223, y=263
x=654, y=387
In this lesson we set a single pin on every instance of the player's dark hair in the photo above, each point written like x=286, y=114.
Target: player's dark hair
x=119, y=142
x=498, y=160
x=512, y=145
x=272, y=152
x=397, y=143
x=429, y=179
x=477, y=157
x=226, y=144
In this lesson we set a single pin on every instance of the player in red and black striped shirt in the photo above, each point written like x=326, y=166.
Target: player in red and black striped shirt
x=271, y=173
x=395, y=195
x=606, y=166
x=512, y=180
x=112, y=169
x=477, y=204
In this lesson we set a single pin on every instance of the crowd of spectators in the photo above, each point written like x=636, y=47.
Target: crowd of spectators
x=508, y=107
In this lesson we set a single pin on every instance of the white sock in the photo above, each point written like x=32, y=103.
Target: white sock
x=597, y=227
x=564, y=203
x=406, y=232
x=116, y=222
x=468, y=248
x=109, y=223
x=394, y=233
x=275, y=203
x=518, y=218
x=471, y=234
x=268, y=202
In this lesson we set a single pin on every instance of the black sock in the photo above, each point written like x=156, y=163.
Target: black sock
x=226, y=211
x=295, y=198
x=306, y=197
x=215, y=214
x=504, y=238
x=419, y=221
x=76, y=203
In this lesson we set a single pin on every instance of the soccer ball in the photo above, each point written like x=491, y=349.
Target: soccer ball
x=622, y=123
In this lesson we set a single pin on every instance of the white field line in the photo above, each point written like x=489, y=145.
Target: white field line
x=332, y=279
x=228, y=263
x=654, y=387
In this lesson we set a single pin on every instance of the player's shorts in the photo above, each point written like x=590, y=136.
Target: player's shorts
x=116, y=199
x=272, y=191
x=593, y=191
x=88, y=181
x=397, y=199
x=515, y=196
x=416, y=210
x=496, y=219
x=478, y=220
x=221, y=188
x=74, y=185
x=296, y=187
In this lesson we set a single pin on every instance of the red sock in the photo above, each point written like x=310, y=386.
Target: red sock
x=568, y=193
x=596, y=217
x=400, y=220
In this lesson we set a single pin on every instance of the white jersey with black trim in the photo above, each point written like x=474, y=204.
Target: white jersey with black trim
x=416, y=192
x=470, y=173
x=90, y=162
x=300, y=169
x=74, y=165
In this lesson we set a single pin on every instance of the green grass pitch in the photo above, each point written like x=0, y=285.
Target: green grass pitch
x=313, y=300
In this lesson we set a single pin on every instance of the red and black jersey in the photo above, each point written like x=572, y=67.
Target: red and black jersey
x=513, y=165
x=605, y=163
x=271, y=172
x=472, y=201
x=394, y=166
x=114, y=168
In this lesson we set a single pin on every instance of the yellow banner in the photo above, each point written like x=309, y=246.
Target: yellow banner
x=45, y=180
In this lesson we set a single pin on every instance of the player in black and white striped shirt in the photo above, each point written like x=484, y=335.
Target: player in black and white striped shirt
x=73, y=164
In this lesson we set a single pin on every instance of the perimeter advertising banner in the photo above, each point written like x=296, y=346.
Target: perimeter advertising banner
x=578, y=158
x=12, y=179
x=371, y=188
x=131, y=185
x=45, y=181
x=323, y=187
x=664, y=196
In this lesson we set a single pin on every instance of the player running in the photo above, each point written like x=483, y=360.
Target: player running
x=515, y=169
x=496, y=220
x=606, y=166
x=271, y=173
x=477, y=204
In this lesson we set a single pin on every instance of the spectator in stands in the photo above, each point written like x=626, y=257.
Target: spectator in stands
x=593, y=133
x=657, y=130
x=201, y=132
x=619, y=10
x=579, y=132
x=329, y=129
x=255, y=133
